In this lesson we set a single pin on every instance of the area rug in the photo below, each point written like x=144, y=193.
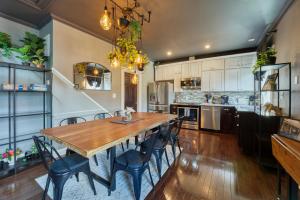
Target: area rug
x=81, y=190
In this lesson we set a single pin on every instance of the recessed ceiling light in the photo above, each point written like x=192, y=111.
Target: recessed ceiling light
x=169, y=53
x=207, y=46
x=251, y=40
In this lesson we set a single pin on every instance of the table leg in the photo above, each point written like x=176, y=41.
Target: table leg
x=279, y=180
x=292, y=189
x=112, y=160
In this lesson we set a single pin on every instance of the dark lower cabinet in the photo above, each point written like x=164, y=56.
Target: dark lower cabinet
x=228, y=119
x=247, y=126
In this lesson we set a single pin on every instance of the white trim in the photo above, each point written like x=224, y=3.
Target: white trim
x=68, y=82
x=139, y=89
x=75, y=113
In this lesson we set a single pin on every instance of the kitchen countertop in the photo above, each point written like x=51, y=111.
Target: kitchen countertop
x=238, y=107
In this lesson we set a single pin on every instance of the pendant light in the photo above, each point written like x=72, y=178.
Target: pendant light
x=139, y=58
x=115, y=63
x=105, y=20
x=134, y=79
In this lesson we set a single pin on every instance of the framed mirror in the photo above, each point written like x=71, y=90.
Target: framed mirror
x=91, y=76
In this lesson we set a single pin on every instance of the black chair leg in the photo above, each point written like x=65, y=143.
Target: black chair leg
x=113, y=174
x=59, y=183
x=174, y=150
x=77, y=177
x=107, y=154
x=122, y=147
x=88, y=172
x=152, y=183
x=96, y=161
x=179, y=146
x=158, y=163
x=46, y=188
x=167, y=157
x=127, y=143
x=137, y=183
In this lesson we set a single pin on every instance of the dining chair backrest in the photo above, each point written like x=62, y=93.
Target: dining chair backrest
x=165, y=130
x=45, y=148
x=118, y=113
x=72, y=120
x=102, y=115
x=148, y=145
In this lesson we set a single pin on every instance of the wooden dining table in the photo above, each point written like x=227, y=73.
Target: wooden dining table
x=91, y=137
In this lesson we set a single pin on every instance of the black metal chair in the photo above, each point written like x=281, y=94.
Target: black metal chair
x=102, y=116
x=135, y=163
x=174, y=139
x=74, y=120
x=61, y=169
x=161, y=144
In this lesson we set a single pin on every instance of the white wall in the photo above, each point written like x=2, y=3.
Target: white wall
x=287, y=43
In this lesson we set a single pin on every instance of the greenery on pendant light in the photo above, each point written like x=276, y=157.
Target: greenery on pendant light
x=265, y=58
x=135, y=30
x=5, y=45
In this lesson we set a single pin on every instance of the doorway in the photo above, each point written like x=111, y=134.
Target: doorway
x=130, y=99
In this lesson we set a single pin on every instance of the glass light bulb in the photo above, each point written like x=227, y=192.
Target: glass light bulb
x=115, y=62
x=134, y=79
x=139, y=59
x=105, y=21
x=95, y=71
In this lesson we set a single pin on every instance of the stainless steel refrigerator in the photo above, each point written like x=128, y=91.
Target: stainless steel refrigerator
x=160, y=96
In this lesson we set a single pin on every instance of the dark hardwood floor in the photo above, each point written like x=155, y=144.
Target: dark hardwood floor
x=210, y=167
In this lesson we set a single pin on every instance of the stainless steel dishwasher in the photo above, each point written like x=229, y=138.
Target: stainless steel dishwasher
x=211, y=117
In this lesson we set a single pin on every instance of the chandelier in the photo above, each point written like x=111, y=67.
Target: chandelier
x=126, y=23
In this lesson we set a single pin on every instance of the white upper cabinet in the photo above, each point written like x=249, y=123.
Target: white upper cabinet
x=233, y=63
x=248, y=60
x=159, y=73
x=185, y=70
x=231, y=79
x=246, y=80
x=216, y=82
x=195, y=69
x=205, y=86
x=216, y=64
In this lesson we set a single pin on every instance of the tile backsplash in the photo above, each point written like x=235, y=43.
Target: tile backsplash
x=197, y=96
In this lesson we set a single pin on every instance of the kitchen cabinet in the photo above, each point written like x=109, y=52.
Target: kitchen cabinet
x=159, y=73
x=216, y=81
x=177, y=83
x=205, y=81
x=246, y=80
x=195, y=69
x=228, y=119
x=216, y=64
x=233, y=63
x=248, y=60
x=185, y=70
x=232, y=79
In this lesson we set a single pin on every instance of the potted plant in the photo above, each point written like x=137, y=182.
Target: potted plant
x=267, y=57
x=24, y=54
x=5, y=45
x=39, y=58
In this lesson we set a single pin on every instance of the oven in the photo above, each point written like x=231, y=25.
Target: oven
x=191, y=117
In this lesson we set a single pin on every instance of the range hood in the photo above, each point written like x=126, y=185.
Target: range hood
x=191, y=84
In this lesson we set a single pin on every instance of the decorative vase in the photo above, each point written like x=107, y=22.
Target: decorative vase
x=11, y=162
x=41, y=66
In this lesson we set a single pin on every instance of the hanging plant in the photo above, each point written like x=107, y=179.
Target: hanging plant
x=135, y=29
x=5, y=45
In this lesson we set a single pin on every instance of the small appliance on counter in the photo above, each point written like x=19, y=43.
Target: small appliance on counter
x=225, y=99
x=160, y=96
x=208, y=98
